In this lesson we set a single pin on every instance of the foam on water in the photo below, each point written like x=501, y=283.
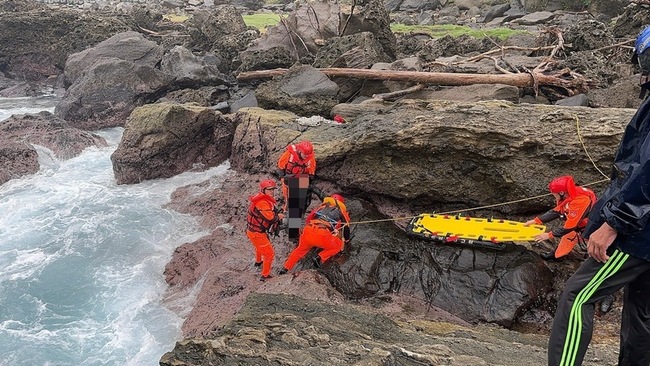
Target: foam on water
x=81, y=262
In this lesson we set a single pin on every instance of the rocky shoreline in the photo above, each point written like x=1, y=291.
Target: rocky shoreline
x=389, y=298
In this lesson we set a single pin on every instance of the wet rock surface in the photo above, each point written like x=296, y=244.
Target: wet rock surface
x=154, y=143
x=288, y=330
x=49, y=131
x=383, y=300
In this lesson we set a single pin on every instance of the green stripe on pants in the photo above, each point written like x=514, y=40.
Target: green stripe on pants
x=574, y=329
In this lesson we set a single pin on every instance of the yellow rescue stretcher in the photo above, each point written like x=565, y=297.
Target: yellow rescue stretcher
x=472, y=231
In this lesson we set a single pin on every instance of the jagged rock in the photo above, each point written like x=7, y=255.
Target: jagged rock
x=283, y=329
x=17, y=160
x=449, y=46
x=21, y=89
x=301, y=35
x=302, y=90
x=472, y=93
x=588, y=35
x=414, y=150
x=416, y=6
x=624, y=93
x=129, y=46
x=472, y=284
x=244, y=98
x=266, y=59
x=19, y=132
x=229, y=47
x=216, y=23
x=108, y=92
x=204, y=96
x=223, y=32
x=188, y=69
x=358, y=51
x=576, y=100
x=35, y=43
x=371, y=87
x=534, y=18
x=162, y=140
x=47, y=130
x=496, y=11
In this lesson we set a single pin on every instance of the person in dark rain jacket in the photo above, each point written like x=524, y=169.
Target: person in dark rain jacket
x=618, y=243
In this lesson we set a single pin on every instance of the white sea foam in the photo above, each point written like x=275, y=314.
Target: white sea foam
x=81, y=263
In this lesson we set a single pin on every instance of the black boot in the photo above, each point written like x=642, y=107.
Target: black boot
x=264, y=278
x=606, y=304
x=549, y=256
x=283, y=271
x=258, y=264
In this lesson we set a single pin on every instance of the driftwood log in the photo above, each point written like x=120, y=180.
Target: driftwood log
x=571, y=82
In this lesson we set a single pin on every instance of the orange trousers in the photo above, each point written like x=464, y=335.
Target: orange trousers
x=567, y=242
x=314, y=236
x=263, y=250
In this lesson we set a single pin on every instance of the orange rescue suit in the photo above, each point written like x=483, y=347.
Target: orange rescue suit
x=261, y=218
x=575, y=208
x=324, y=229
x=291, y=164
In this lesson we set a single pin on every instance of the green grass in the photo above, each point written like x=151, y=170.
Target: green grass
x=261, y=21
x=438, y=31
x=176, y=18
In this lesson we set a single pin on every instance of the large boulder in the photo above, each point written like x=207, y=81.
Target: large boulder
x=188, y=69
x=431, y=153
x=303, y=90
x=221, y=31
x=162, y=140
x=109, y=91
x=129, y=46
x=207, y=27
x=35, y=42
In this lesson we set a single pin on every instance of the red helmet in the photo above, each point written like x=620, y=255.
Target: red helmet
x=562, y=185
x=266, y=184
x=338, y=197
x=305, y=147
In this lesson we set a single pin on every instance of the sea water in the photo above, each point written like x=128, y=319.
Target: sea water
x=82, y=260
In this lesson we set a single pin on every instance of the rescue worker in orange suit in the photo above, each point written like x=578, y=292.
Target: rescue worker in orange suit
x=297, y=159
x=326, y=227
x=263, y=217
x=573, y=203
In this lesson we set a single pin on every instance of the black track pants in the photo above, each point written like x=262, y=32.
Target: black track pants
x=573, y=323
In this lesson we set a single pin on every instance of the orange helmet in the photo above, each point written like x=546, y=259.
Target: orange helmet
x=562, y=185
x=338, y=197
x=305, y=147
x=266, y=184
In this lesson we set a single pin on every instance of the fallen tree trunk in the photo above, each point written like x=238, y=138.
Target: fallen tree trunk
x=571, y=82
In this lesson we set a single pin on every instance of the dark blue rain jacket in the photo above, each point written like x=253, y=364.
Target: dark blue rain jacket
x=625, y=204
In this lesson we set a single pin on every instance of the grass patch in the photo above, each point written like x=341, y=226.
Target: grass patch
x=261, y=21
x=438, y=31
x=176, y=18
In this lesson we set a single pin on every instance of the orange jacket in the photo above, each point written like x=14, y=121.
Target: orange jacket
x=291, y=163
x=575, y=208
x=331, y=213
x=261, y=213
